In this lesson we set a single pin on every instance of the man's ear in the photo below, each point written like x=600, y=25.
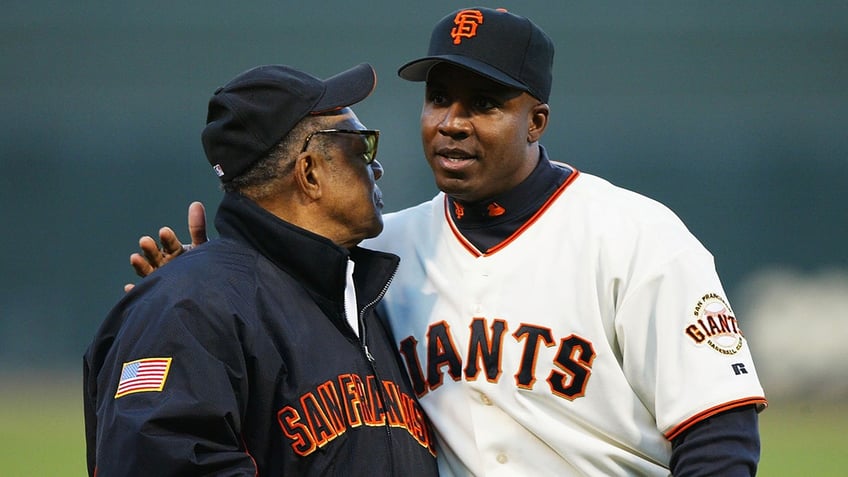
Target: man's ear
x=308, y=174
x=538, y=122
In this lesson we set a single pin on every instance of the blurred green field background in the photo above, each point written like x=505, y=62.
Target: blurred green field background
x=42, y=432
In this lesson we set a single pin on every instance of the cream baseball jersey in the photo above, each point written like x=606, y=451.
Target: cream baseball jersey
x=580, y=346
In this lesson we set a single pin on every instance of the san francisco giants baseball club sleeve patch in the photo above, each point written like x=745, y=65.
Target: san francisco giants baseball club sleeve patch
x=714, y=325
x=143, y=375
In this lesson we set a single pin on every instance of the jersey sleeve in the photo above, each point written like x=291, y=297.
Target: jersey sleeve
x=683, y=348
x=166, y=398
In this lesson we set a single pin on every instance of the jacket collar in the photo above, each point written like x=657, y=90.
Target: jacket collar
x=313, y=260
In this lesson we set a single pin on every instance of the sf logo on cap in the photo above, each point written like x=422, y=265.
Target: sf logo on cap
x=466, y=23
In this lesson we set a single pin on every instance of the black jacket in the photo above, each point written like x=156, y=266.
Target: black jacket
x=264, y=375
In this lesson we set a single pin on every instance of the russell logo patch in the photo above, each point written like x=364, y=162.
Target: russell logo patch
x=713, y=324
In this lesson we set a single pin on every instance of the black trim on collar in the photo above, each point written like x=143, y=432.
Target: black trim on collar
x=489, y=222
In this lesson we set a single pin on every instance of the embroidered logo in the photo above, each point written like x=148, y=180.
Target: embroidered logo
x=739, y=368
x=142, y=375
x=466, y=23
x=714, y=324
x=458, y=210
x=495, y=210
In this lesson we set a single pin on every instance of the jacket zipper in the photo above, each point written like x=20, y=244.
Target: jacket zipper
x=362, y=317
x=373, y=363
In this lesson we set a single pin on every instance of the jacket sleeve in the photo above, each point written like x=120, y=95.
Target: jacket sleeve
x=166, y=393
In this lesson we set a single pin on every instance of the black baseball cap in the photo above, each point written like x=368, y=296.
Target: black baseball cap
x=494, y=43
x=251, y=114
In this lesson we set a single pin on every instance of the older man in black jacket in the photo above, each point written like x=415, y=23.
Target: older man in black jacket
x=261, y=354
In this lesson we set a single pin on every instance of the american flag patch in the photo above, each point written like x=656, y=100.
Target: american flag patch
x=142, y=375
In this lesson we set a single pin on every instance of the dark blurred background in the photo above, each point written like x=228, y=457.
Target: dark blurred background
x=731, y=113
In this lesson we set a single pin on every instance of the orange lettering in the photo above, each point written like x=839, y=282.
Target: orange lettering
x=466, y=23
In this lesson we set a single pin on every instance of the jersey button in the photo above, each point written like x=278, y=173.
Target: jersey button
x=501, y=458
x=485, y=400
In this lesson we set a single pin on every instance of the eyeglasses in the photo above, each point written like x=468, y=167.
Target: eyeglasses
x=371, y=137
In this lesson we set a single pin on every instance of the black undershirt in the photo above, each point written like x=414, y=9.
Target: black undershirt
x=487, y=223
x=727, y=444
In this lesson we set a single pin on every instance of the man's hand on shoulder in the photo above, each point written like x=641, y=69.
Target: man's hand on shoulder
x=152, y=257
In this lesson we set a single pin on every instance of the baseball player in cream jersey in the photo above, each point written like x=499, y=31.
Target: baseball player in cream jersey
x=551, y=322
x=582, y=346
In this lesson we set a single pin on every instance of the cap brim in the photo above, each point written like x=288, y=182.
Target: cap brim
x=346, y=88
x=418, y=70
